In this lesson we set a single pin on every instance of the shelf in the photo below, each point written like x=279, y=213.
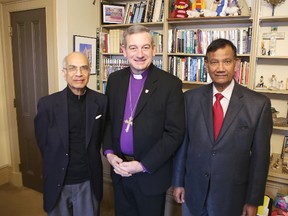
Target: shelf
x=186, y=54
x=118, y=26
x=200, y=55
x=121, y=54
x=280, y=128
x=271, y=57
x=211, y=20
x=277, y=174
x=274, y=19
x=195, y=83
x=284, y=92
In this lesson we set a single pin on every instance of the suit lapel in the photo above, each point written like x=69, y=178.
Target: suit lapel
x=61, y=117
x=206, y=104
x=234, y=107
x=148, y=89
x=123, y=89
x=91, y=112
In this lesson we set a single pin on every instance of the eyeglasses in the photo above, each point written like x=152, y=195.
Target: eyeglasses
x=73, y=69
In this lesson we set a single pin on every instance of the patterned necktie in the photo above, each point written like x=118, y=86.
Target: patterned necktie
x=218, y=115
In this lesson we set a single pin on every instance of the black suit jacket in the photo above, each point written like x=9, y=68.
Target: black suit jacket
x=234, y=168
x=158, y=127
x=51, y=129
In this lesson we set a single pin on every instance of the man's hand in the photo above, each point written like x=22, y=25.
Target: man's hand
x=179, y=194
x=249, y=210
x=132, y=167
x=116, y=162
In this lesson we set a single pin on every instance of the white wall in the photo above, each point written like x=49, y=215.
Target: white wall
x=74, y=17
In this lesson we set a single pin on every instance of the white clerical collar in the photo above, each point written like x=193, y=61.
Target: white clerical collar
x=137, y=76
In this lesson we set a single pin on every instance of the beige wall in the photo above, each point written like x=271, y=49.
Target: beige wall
x=64, y=18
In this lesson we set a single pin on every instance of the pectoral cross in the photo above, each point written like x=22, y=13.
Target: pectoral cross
x=129, y=123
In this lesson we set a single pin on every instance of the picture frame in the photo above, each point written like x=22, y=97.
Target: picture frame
x=285, y=148
x=113, y=13
x=87, y=46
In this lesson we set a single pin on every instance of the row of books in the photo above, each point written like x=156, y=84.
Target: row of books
x=196, y=41
x=111, y=65
x=111, y=41
x=189, y=69
x=144, y=11
x=193, y=69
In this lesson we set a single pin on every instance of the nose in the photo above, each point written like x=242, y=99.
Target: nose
x=140, y=53
x=221, y=66
x=78, y=71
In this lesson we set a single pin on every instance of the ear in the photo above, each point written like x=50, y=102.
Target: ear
x=154, y=50
x=124, y=50
x=237, y=63
x=64, y=74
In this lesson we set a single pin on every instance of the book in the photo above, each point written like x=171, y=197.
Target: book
x=156, y=11
x=136, y=13
x=249, y=36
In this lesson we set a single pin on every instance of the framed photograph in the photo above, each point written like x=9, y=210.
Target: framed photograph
x=113, y=13
x=285, y=148
x=87, y=46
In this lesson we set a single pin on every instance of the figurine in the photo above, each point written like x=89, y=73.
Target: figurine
x=197, y=8
x=263, y=50
x=180, y=7
x=212, y=11
x=281, y=85
x=198, y=5
x=221, y=7
x=261, y=85
x=273, y=82
x=245, y=11
x=237, y=7
x=233, y=8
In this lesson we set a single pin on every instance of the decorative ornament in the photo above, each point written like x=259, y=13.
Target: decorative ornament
x=274, y=3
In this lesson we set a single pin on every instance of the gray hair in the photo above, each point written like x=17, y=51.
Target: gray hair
x=134, y=29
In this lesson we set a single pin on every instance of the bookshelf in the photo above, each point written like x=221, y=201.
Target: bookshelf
x=260, y=21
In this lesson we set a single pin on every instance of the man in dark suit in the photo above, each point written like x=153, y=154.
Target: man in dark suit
x=223, y=172
x=146, y=125
x=69, y=127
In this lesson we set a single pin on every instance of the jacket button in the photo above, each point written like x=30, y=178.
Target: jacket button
x=66, y=154
x=59, y=185
x=63, y=168
x=213, y=153
x=206, y=174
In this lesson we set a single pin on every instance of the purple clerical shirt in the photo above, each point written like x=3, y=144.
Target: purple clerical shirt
x=134, y=91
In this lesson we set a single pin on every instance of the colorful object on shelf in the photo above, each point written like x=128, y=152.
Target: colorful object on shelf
x=197, y=8
x=198, y=5
x=221, y=7
x=264, y=209
x=281, y=202
x=180, y=8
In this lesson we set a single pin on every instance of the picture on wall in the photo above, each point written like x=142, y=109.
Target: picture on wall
x=87, y=46
x=113, y=13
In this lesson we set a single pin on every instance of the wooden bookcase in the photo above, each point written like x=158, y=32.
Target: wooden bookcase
x=261, y=20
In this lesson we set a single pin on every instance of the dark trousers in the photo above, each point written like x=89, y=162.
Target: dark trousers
x=131, y=201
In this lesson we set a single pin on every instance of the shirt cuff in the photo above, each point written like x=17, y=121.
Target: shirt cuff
x=108, y=151
x=144, y=169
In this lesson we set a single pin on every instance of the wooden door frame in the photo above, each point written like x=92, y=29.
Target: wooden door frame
x=9, y=114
